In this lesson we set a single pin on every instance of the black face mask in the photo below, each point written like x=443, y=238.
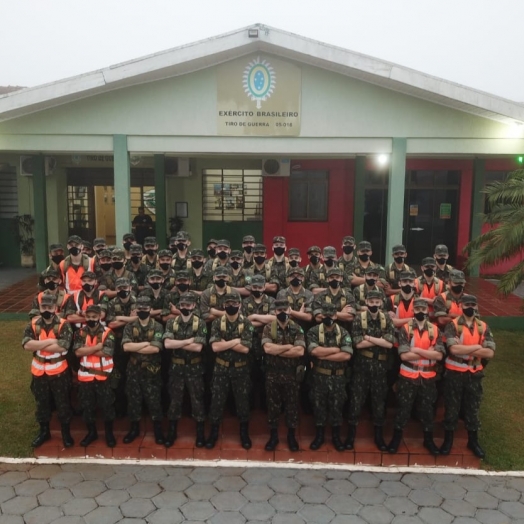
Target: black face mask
x=123, y=293
x=47, y=315
x=282, y=316
x=295, y=282
x=127, y=246
x=151, y=252
x=212, y=252
x=260, y=260
x=91, y=323
x=364, y=257
x=372, y=309
x=88, y=287
x=420, y=316
x=182, y=287
x=142, y=315
x=468, y=311
x=293, y=263
x=314, y=260
x=222, y=255
x=74, y=251
x=231, y=310
x=51, y=285
x=165, y=266
x=279, y=251
x=407, y=289
x=155, y=285
x=117, y=265
x=235, y=265
x=248, y=249
x=328, y=321
x=135, y=260
x=256, y=293
x=106, y=267
x=441, y=261
x=185, y=312
x=181, y=247
x=399, y=260
x=220, y=283
x=334, y=284
x=197, y=264
x=457, y=289
x=348, y=249
x=329, y=262
x=173, y=249
x=57, y=259
x=429, y=272
x=371, y=282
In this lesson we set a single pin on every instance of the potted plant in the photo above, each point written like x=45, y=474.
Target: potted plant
x=24, y=230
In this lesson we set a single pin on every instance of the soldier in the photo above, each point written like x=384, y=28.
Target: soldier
x=373, y=335
x=142, y=339
x=420, y=346
x=447, y=305
x=364, y=253
x=171, y=299
x=211, y=248
x=75, y=265
x=311, y=279
x=102, y=265
x=87, y=248
x=200, y=280
x=231, y=339
x=403, y=302
x=52, y=281
x=279, y=263
x=49, y=337
x=330, y=348
x=394, y=269
x=248, y=243
x=261, y=267
x=156, y=293
x=295, y=260
x=129, y=240
x=212, y=299
x=470, y=344
x=428, y=286
x=56, y=255
x=181, y=255
x=135, y=265
x=165, y=260
x=107, y=283
x=89, y=294
x=318, y=278
x=371, y=278
x=150, y=259
x=284, y=345
x=99, y=244
x=441, y=257
x=299, y=298
x=347, y=261
x=185, y=337
x=223, y=248
x=94, y=345
x=239, y=281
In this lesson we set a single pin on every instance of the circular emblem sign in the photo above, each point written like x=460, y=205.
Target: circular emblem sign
x=259, y=81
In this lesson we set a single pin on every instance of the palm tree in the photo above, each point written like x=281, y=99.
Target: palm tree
x=505, y=239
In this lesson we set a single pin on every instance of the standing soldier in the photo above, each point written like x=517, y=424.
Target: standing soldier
x=370, y=284
x=87, y=248
x=135, y=265
x=347, y=261
x=56, y=255
x=428, y=286
x=212, y=299
x=171, y=299
x=102, y=265
x=448, y=305
x=99, y=245
x=403, y=301
x=181, y=253
x=315, y=272
x=94, y=345
x=300, y=299
x=231, y=339
x=150, y=259
x=330, y=348
x=469, y=342
x=441, y=256
x=107, y=283
x=239, y=277
x=75, y=265
x=396, y=267
x=49, y=337
x=185, y=337
x=129, y=240
x=200, y=280
x=156, y=293
x=143, y=341
x=420, y=346
x=223, y=248
x=52, y=280
x=364, y=253
x=284, y=344
x=248, y=243
x=373, y=335
x=294, y=261
x=165, y=258
x=211, y=248
x=261, y=267
x=279, y=263
x=89, y=294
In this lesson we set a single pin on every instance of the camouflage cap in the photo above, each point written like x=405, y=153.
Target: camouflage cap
x=295, y=270
x=348, y=240
x=372, y=269
x=224, y=242
x=429, y=261
x=457, y=276
x=399, y=248
x=407, y=275
x=314, y=249
x=364, y=245
x=86, y=243
x=211, y=241
x=279, y=239
x=188, y=298
x=335, y=271
x=55, y=247
x=48, y=299
x=182, y=235
x=420, y=302
x=104, y=253
x=94, y=308
x=99, y=241
x=328, y=309
x=135, y=248
x=293, y=252
x=236, y=253
x=150, y=241
x=74, y=238
x=51, y=273
x=183, y=274
x=222, y=271
x=122, y=282
x=374, y=293
x=165, y=253
x=441, y=249
x=468, y=299
x=118, y=253
x=281, y=304
x=128, y=236
x=248, y=238
x=232, y=297
x=143, y=301
x=88, y=274
x=329, y=251
x=258, y=280
x=196, y=253
x=155, y=273
x=259, y=248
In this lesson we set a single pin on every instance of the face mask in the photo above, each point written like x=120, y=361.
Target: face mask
x=348, y=249
x=106, y=267
x=260, y=260
x=429, y=272
x=165, y=266
x=135, y=260
x=293, y=263
x=222, y=255
x=74, y=251
x=91, y=323
x=372, y=309
x=151, y=252
x=399, y=260
x=248, y=249
x=314, y=260
x=256, y=293
x=181, y=247
x=51, y=285
x=328, y=321
x=279, y=251
x=182, y=287
x=457, y=289
x=117, y=265
x=185, y=312
x=142, y=315
x=441, y=261
x=212, y=252
x=231, y=310
x=123, y=293
x=235, y=265
x=282, y=316
x=329, y=262
x=197, y=264
x=364, y=257
x=220, y=283
x=173, y=249
x=407, y=289
x=371, y=282
x=334, y=284
x=468, y=311
x=57, y=259
x=155, y=285
x=47, y=315
x=127, y=245
x=295, y=282
x=420, y=316
x=88, y=287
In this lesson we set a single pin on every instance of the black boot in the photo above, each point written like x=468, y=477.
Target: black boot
x=43, y=435
x=271, y=444
x=395, y=441
x=335, y=439
x=379, y=439
x=318, y=440
x=110, y=436
x=473, y=444
x=67, y=439
x=445, y=449
x=291, y=440
x=200, y=440
x=244, y=435
x=213, y=437
x=171, y=434
x=91, y=436
x=134, y=432
x=429, y=443
x=157, y=430
x=350, y=441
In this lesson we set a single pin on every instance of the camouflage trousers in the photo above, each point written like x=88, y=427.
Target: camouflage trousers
x=328, y=396
x=462, y=389
x=96, y=393
x=282, y=388
x=57, y=387
x=369, y=378
x=142, y=385
x=194, y=382
x=239, y=381
x=423, y=393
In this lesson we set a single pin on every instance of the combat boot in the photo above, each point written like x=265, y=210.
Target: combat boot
x=429, y=443
x=291, y=440
x=350, y=441
x=43, y=435
x=157, y=430
x=213, y=437
x=318, y=440
x=67, y=439
x=395, y=441
x=271, y=444
x=473, y=444
x=171, y=433
x=244, y=435
x=335, y=439
x=379, y=439
x=445, y=449
x=110, y=436
x=91, y=436
x=200, y=441
x=134, y=432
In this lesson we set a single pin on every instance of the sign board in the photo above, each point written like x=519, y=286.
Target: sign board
x=445, y=211
x=413, y=210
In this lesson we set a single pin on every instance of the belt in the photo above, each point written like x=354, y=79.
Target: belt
x=44, y=360
x=474, y=362
x=136, y=362
x=329, y=372
x=182, y=362
x=226, y=364
x=369, y=354
x=94, y=371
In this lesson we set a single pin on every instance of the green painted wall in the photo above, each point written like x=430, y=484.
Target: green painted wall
x=9, y=252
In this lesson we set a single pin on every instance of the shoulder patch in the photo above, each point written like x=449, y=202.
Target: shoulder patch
x=158, y=335
x=204, y=330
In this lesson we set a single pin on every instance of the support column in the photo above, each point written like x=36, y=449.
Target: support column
x=477, y=203
x=160, y=201
x=396, y=190
x=40, y=210
x=358, y=205
x=122, y=183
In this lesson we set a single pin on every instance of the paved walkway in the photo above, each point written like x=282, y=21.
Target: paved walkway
x=100, y=494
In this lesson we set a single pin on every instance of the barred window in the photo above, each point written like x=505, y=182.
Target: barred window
x=308, y=196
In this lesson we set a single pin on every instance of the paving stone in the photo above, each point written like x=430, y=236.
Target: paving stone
x=443, y=477
x=44, y=471
x=288, y=518
x=337, y=474
x=179, y=470
x=339, y=486
x=341, y=504
x=137, y=508
x=459, y=508
x=169, y=499
x=31, y=487
x=348, y=519
x=54, y=497
x=257, y=476
x=229, y=471
x=376, y=515
x=151, y=474
x=166, y=516
x=401, y=506
x=230, y=483
x=514, y=510
x=389, y=476
x=106, y=515
x=205, y=475
x=66, y=479
x=492, y=516
x=369, y=495
x=11, y=519
x=435, y=516
x=417, y=480
x=11, y=478
x=284, y=472
x=284, y=485
x=257, y=493
x=79, y=507
x=227, y=517
x=312, y=477
x=394, y=488
x=258, y=511
x=19, y=505
x=97, y=472
x=88, y=489
x=317, y=513
x=406, y=520
x=449, y=490
x=228, y=501
x=286, y=503
x=176, y=483
x=516, y=483
x=503, y=493
x=121, y=481
x=315, y=494
x=471, y=483
x=363, y=479
x=66, y=519
x=425, y=497
x=112, y=497
x=465, y=520
x=481, y=500
x=42, y=515
x=130, y=520
x=198, y=510
x=144, y=490
x=6, y=493
x=201, y=492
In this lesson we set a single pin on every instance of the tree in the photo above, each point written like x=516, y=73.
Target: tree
x=505, y=239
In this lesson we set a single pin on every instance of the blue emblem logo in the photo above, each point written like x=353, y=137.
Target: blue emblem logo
x=259, y=81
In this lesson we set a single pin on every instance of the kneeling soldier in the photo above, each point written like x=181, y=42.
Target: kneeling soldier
x=284, y=344
x=420, y=347
x=330, y=348
x=94, y=344
x=185, y=335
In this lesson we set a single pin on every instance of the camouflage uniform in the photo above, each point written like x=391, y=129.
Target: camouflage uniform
x=158, y=302
x=295, y=301
x=361, y=292
x=392, y=271
x=64, y=303
x=347, y=266
x=342, y=298
x=110, y=278
x=178, y=262
x=211, y=298
x=444, y=271
x=140, y=273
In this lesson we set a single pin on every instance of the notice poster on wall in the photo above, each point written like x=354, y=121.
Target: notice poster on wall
x=413, y=210
x=445, y=211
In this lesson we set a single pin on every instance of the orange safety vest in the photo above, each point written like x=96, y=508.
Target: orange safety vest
x=452, y=306
x=73, y=276
x=87, y=301
x=425, y=291
x=91, y=366
x=424, y=368
x=47, y=362
x=60, y=306
x=465, y=363
x=401, y=311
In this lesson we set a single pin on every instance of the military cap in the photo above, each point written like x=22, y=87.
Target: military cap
x=118, y=253
x=86, y=243
x=468, y=299
x=441, y=249
x=399, y=248
x=48, y=299
x=150, y=240
x=165, y=253
x=128, y=236
x=104, y=253
x=258, y=280
x=54, y=247
x=211, y=241
x=155, y=273
x=348, y=240
x=224, y=242
x=364, y=245
x=279, y=238
x=329, y=251
x=281, y=304
x=182, y=274
x=429, y=261
x=328, y=309
x=420, y=302
x=99, y=241
x=232, y=297
x=297, y=270
x=248, y=238
x=88, y=274
x=259, y=248
x=182, y=235
x=457, y=276
x=122, y=282
x=407, y=275
x=74, y=238
x=335, y=271
x=51, y=273
x=143, y=301
x=221, y=271
x=236, y=253
x=314, y=249
x=196, y=253
x=372, y=269
x=374, y=293
x=188, y=298
x=94, y=308
x=293, y=251
x=135, y=248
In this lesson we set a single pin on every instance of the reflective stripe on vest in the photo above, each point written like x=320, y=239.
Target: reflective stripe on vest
x=47, y=362
x=91, y=366
x=426, y=291
x=465, y=363
x=424, y=368
x=72, y=278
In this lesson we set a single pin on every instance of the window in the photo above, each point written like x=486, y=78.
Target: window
x=308, y=196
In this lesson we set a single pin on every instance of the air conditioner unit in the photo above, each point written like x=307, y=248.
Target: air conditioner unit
x=276, y=167
x=26, y=165
x=178, y=167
